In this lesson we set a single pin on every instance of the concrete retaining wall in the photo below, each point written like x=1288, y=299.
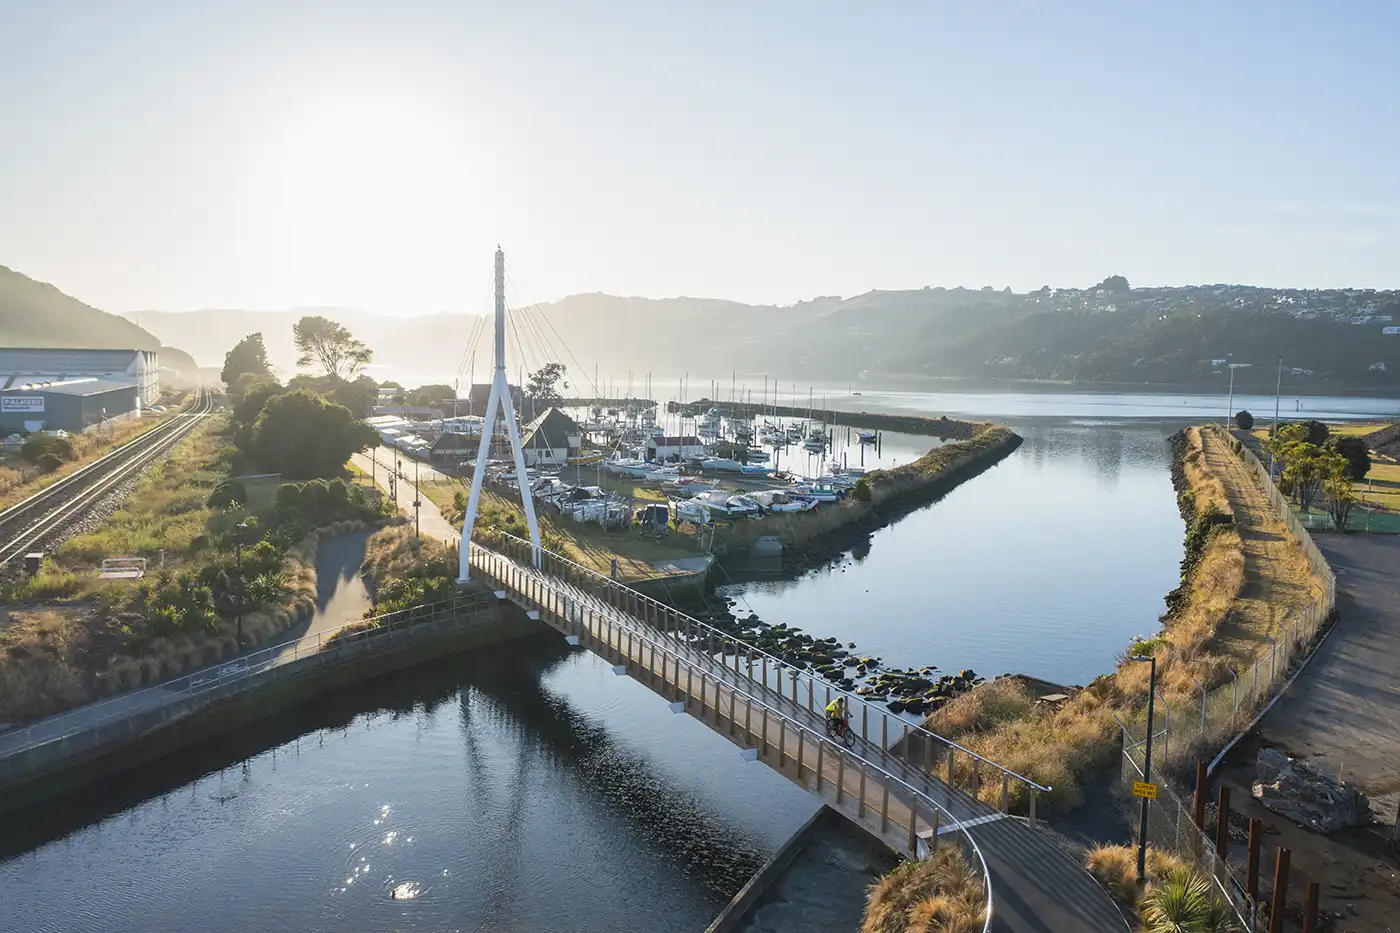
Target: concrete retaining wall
x=732, y=916
x=107, y=748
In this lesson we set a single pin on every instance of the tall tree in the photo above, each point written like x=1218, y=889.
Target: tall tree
x=1336, y=484
x=329, y=345
x=543, y=385
x=1357, y=455
x=249, y=355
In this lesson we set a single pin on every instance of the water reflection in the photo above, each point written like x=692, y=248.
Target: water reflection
x=522, y=789
x=1045, y=564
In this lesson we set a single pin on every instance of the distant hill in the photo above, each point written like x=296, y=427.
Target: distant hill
x=1110, y=333
x=36, y=314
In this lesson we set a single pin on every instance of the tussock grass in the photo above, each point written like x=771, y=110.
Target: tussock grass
x=1115, y=867
x=1001, y=701
x=940, y=893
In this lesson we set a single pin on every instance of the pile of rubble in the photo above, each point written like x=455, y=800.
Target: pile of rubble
x=1306, y=794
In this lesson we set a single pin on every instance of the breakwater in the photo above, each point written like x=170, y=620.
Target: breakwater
x=812, y=534
x=941, y=427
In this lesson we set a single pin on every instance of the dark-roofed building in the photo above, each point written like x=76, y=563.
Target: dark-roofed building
x=72, y=405
x=674, y=446
x=454, y=446
x=19, y=365
x=552, y=439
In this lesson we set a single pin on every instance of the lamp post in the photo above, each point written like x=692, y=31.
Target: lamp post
x=1146, y=768
x=417, y=501
x=239, y=529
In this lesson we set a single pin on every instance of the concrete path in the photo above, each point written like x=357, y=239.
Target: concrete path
x=1345, y=706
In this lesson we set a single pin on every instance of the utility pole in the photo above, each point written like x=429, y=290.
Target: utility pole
x=500, y=396
x=1146, y=770
x=1230, y=403
x=1278, y=391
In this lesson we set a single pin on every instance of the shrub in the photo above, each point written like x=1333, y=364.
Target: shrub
x=302, y=436
x=1244, y=420
x=861, y=492
x=227, y=494
x=43, y=449
x=1181, y=902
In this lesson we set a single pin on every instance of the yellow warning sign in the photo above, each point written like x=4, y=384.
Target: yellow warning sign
x=1142, y=789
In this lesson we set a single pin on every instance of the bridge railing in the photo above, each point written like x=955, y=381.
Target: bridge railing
x=917, y=746
x=686, y=670
x=219, y=676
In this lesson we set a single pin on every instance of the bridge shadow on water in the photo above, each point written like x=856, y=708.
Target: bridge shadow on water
x=504, y=684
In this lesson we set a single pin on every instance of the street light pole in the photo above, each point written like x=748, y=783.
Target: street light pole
x=1146, y=770
x=238, y=566
x=417, y=500
x=1230, y=404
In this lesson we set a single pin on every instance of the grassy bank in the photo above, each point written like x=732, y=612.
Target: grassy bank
x=1234, y=593
x=68, y=638
x=936, y=471
x=585, y=543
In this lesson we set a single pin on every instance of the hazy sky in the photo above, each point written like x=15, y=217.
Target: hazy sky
x=177, y=155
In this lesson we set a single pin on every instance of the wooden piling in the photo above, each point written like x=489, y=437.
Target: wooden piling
x=1251, y=871
x=1310, y=908
x=1222, y=823
x=1280, y=898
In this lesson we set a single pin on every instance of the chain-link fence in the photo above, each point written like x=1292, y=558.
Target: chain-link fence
x=1171, y=828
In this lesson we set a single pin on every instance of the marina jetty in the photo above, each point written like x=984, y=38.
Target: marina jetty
x=942, y=427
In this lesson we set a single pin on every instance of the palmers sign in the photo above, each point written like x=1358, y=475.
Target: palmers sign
x=24, y=403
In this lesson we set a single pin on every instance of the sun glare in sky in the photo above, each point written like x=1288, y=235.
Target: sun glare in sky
x=362, y=186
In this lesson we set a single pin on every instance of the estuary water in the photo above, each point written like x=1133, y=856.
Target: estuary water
x=528, y=788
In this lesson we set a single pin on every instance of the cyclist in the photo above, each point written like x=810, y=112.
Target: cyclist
x=836, y=713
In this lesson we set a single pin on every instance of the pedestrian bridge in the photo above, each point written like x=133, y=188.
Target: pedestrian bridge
x=899, y=780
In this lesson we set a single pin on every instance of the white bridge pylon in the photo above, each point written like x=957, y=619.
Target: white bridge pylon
x=500, y=396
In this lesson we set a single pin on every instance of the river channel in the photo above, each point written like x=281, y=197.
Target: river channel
x=529, y=788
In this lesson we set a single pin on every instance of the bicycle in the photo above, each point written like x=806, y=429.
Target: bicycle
x=841, y=729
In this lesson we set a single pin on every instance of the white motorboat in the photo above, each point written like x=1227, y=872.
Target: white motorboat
x=688, y=485
x=709, y=464
x=866, y=437
x=690, y=510
x=758, y=455
x=816, y=492
x=777, y=500
x=724, y=505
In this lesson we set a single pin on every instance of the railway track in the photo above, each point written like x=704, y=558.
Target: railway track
x=25, y=526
